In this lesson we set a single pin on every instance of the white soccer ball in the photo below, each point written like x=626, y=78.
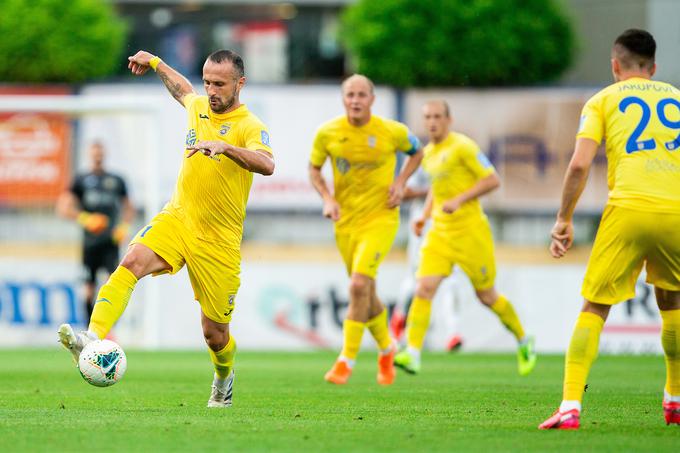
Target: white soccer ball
x=102, y=363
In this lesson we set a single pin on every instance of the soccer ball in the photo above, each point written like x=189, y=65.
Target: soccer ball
x=102, y=363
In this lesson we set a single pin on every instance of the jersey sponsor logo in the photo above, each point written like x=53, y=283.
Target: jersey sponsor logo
x=203, y=116
x=264, y=135
x=110, y=183
x=342, y=165
x=191, y=138
x=224, y=129
x=372, y=141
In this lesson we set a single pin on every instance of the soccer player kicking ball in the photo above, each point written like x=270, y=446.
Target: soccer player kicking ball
x=639, y=121
x=202, y=225
x=362, y=148
x=460, y=234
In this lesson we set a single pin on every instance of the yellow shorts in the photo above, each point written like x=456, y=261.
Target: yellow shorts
x=364, y=249
x=626, y=239
x=214, y=269
x=471, y=249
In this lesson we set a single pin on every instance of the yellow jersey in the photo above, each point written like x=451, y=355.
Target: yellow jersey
x=639, y=119
x=364, y=160
x=211, y=192
x=454, y=165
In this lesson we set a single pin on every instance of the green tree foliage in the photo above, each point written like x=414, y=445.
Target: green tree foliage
x=58, y=40
x=458, y=42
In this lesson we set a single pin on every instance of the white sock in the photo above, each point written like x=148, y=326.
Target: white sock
x=568, y=405
x=91, y=335
x=350, y=362
x=667, y=397
x=414, y=352
x=386, y=351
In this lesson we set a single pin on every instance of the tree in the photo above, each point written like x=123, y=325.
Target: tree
x=59, y=41
x=458, y=42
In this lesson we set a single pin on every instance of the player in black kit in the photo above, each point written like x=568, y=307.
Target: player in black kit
x=99, y=201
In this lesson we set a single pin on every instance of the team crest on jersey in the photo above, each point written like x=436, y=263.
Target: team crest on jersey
x=224, y=129
x=264, y=135
x=109, y=183
x=372, y=141
x=191, y=138
x=342, y=165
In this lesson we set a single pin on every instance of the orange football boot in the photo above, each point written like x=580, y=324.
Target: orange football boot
x=339, y=374
x=386, y=372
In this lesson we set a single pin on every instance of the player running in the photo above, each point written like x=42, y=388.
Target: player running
x=362, y=148
x=202, y=225
x=639, y=120
x=460, y=234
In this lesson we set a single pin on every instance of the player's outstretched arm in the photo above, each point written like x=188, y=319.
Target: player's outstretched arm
x=331, y=208
x=176, y=83
x=396, y=191
x=257, y=161
x=562, y=233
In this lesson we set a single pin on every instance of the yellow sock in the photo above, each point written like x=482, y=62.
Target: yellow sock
x=378, y=328
x=224, y=358
x=506, y=313
x=111, y=301
x=670, y=340
x=417, y=322
x=352, y=332
x=581, y=353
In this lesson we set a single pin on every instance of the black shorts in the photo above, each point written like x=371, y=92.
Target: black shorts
x=97, y=257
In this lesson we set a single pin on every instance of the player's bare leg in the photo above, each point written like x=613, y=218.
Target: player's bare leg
x=669, y=307
x=580, y=356
x=353, y=328
x=222, y=348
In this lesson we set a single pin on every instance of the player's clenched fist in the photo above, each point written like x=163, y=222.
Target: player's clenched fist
x=139, y=62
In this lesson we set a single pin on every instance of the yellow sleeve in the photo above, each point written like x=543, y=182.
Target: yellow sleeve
x=188, y=101
x=256, y=136
x=592, y=121
x=405, y=140
x=476, y=161
x=319, y=152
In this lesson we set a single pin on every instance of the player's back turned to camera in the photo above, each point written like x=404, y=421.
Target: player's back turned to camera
x=638, y=119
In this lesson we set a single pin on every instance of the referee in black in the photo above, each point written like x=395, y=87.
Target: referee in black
x=98, y=201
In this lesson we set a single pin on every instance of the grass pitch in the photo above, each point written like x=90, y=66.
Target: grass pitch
x=465, y=402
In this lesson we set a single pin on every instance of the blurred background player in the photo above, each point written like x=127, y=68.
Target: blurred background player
x=99, y=201
x=460, y=234
x=364, y=206
x=639, y=120
x=202, y=225
x=415, y=194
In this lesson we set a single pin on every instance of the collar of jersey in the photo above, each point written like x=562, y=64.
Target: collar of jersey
x=370, y=121
x=240, y=110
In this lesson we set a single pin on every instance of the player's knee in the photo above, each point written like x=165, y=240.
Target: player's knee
x=134, y=262
x=425, y=289
x=216, y=340
x=487, y=297
x=359, y=287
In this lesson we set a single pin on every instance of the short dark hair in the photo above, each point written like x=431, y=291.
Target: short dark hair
x=230, y=56
x=635, y=49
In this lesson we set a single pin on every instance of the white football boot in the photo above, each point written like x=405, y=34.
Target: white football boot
x=221, y=395
x=74, y=342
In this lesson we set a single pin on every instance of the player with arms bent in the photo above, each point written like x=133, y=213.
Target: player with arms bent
x=202, y=225
x=460, y=234
x=639, y=119
x=362, y=148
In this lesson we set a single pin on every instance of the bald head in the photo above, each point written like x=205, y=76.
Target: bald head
x=358, y=97
x=358, y=81
x=437, y=119
x=439, y=105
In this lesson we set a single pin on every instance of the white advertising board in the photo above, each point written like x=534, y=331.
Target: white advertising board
x=295, y=305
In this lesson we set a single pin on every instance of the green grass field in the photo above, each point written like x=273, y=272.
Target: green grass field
x=466, y=402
